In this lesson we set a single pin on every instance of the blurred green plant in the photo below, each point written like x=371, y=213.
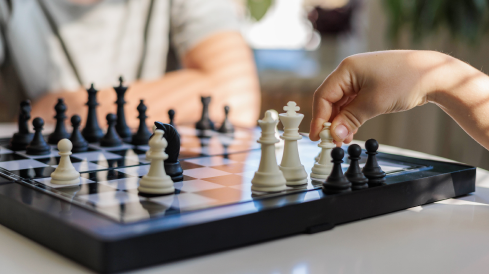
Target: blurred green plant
x=258, y=8
x=465, y=19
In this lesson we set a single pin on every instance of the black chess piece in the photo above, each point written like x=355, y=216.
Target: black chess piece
x=92, y=132
x=205, y=122
x=23, y=137
x=226, y=126
x=172, y=165
x=122, y=129
x=354, y=173
x=372, y=170
x=76, y=138
x=142, y=136
x=60, y=130
x=336, y=181
x=38, y=145
x=171, y=115
x=111, y=139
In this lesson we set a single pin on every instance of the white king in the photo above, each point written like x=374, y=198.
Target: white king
x=268, y=178
x=294, y=172
x=323, y=167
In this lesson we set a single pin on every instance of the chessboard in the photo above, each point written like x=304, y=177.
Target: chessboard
x=106, y=225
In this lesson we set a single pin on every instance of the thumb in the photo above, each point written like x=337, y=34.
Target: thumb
x=350, y=118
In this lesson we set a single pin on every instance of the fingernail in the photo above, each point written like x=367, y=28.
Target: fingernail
x=341, y=132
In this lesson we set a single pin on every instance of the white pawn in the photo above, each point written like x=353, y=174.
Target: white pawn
x=65, y=173
x=268, y=178
x=156, y=181
x=322, y=168
x=294, y=172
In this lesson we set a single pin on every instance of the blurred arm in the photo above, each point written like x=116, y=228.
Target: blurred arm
x=220, y=66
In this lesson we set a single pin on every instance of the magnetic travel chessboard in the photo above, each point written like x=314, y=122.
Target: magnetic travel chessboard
x=110, y=176
x=212, y=209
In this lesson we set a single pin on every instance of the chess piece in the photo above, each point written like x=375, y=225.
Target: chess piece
x=172, y=165
x=323, y=166
x=280, y=144
x=65, y=173
x=142, y=135
x=226, y=126
x=23, y=137
x=60, y=130
x=372, y=170
x=294, y=172
x=92, y=132
x=79, y=143
x=171, y=116
x=121, y=127
x=354, y=173
x=156, y=181
x=38, y=145
x=268, y=178
x=111, y=139
x=205, y=122
x=336, y=181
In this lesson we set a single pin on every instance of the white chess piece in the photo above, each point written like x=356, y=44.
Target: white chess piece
x=65, y=173
x=156, y=181
x=322, y=168
x=294, y=172
x=268, y=178
x=146, y=158
x=280, y=143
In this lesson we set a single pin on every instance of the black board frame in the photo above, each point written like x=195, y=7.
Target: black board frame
x=107, y=246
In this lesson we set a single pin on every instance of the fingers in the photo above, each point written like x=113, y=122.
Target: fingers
x=328, y=98
x=350, y=118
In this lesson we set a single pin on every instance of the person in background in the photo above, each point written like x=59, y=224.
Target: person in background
x=366, y=85
x=57, y=48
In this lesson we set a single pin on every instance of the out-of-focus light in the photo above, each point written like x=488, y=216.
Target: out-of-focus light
x=285, y=26
x=326, y=4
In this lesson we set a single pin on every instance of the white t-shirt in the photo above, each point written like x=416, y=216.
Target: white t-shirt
x=105, y=39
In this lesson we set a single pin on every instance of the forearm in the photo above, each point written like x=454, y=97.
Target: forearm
x=463, y=93
x=221, y=66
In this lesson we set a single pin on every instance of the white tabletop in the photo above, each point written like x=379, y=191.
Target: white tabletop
x=450, y=236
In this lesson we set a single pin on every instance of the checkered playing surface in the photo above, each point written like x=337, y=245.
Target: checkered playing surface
x=110, y=176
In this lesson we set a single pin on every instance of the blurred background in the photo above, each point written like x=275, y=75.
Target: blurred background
x=297, y=43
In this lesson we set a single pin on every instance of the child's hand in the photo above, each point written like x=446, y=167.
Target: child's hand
x=367, y=85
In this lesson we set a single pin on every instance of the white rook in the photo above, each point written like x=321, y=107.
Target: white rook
x=323, y=167
x=294, y=172
x=268, y=178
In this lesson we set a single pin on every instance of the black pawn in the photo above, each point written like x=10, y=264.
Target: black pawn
x=372, y=170
x=121, y=126
x=205, y=122
x=171, y=115
x=76, y=138
x=38, y=145
x=171, y=164
x=336, y=181
x=23, y=137
x=92, y=132
x=111, y=139
x=354, y=173
x=142, y=136
x=60, y=130
x=226, y=126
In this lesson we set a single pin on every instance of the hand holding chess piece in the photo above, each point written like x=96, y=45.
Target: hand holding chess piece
x=65, y=173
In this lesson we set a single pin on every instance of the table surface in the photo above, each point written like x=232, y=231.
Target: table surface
x=449, y=236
